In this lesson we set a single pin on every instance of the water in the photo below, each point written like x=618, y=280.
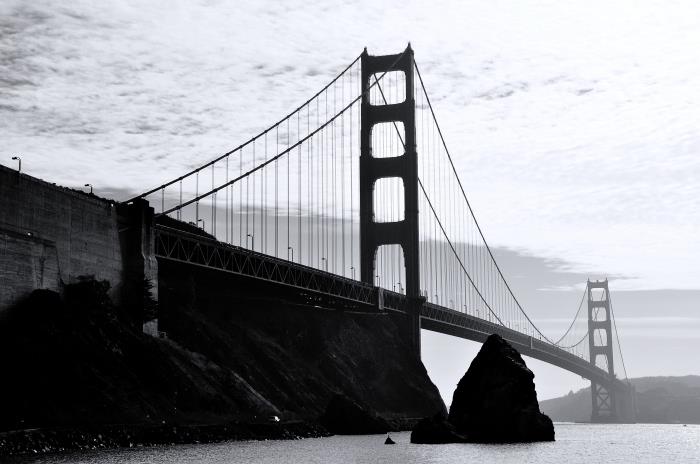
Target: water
x=576, y=443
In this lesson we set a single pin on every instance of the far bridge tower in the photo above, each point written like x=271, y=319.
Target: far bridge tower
x=601, y=347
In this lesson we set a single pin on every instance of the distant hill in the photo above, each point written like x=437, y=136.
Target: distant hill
x=659, y=400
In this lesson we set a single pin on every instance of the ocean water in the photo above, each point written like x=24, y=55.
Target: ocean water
x=576, y=443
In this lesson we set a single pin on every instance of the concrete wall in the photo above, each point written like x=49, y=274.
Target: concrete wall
x=51, y=235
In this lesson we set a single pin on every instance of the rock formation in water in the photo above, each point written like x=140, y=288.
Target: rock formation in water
x=495, y=402
x=343, y=416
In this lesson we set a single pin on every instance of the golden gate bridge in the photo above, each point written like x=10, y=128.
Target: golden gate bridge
x=353, y=201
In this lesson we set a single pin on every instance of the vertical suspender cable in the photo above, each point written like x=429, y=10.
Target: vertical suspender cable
x=288, y=193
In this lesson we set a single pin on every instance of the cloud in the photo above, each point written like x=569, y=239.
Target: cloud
x=574, y=126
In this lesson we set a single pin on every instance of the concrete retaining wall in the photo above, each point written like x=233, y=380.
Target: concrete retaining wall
x=51, y=235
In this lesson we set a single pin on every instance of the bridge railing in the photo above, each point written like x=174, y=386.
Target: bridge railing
x=204, y=250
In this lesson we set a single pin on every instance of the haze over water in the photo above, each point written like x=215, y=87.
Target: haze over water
x=576, y=443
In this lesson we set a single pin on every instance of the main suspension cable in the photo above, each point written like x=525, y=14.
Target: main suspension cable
x=283, y=152
x=580, y=305
x=471, y=211
x=617, y=337
x=249, y=141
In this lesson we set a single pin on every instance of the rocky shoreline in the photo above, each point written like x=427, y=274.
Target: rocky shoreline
x=55, y=440
x=41, y=441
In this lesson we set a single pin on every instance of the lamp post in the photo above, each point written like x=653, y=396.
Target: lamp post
x=379, y=280
x=89, y=185
x=352, y=269
x=325, y=263
x=289, y=248
x=203, y=224
x=19, y=161
x=252, y=241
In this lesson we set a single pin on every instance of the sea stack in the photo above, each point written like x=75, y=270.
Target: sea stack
x=495, y=401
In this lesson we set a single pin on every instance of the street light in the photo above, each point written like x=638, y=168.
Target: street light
x=325, y=263
x=379, y=280
x=289, y=248
x=352, y=269
x=19, y=161
x=252, y=241
x=203, y=224
x=89, y=185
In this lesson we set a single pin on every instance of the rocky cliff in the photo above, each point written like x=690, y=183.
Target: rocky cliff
x=77, y=360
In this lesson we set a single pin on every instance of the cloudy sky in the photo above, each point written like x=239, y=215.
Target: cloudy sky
x=575, y=126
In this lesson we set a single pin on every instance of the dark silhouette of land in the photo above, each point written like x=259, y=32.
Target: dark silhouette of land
x=80, y=370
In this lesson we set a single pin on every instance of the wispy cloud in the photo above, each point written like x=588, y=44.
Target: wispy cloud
x=574, y=125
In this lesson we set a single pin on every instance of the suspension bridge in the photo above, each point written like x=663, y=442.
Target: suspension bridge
x=353, y=201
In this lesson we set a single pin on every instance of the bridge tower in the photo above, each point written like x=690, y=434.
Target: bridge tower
x=404, y=232
x=600, y=346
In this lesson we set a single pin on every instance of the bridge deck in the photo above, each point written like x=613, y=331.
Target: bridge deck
x=203, y=250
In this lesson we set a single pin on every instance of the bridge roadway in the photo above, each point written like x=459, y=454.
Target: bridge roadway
x=198, y=248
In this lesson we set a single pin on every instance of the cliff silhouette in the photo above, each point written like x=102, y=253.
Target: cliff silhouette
x=76, y=361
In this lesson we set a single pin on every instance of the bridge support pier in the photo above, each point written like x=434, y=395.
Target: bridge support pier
x=140, y=275
x=405, y=232
x=413, y=314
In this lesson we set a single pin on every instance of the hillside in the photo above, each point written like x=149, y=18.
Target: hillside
x=76, y=361
x=659, y=400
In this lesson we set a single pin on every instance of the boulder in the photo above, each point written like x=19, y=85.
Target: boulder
x=435, y=430
x=343, y=416
x=496, y=401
